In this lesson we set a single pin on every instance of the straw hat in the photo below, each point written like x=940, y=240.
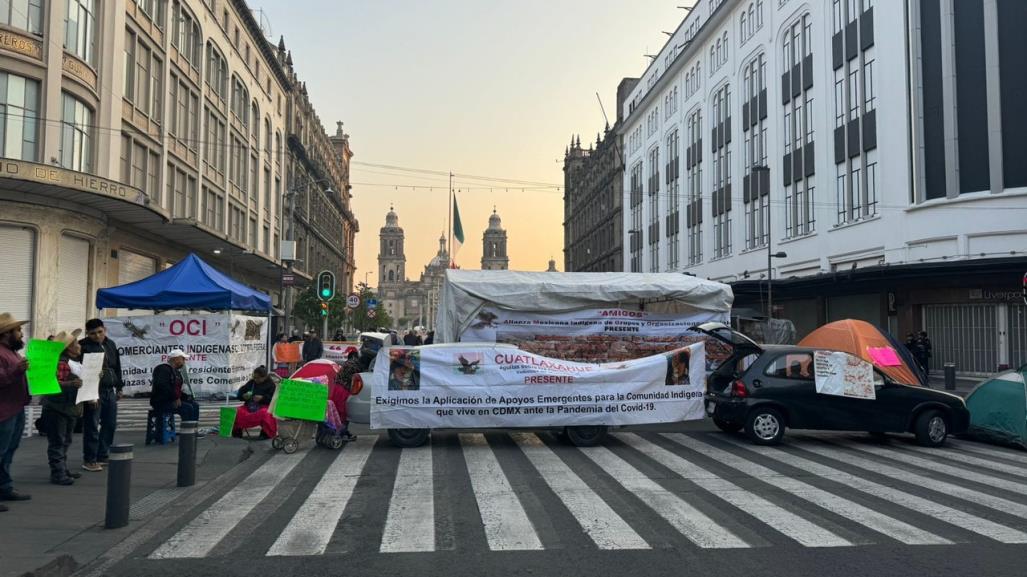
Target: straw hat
x=66, y=337
x=8, y=323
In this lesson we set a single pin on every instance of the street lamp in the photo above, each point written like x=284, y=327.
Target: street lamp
x=758, y=171
x=365, y=276
x=631, y=235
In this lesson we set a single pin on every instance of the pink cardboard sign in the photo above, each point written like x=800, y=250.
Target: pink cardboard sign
x=884, y=356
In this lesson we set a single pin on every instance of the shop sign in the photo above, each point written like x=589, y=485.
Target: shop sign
x=996, y=295
x=80, y=181
x=15, y=42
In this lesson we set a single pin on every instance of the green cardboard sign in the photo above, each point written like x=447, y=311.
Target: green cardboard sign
x=301, y=400
x=227, y=421
x=42, y=374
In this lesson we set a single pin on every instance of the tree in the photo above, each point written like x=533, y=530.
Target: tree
x=308, y=309
x=359, y=317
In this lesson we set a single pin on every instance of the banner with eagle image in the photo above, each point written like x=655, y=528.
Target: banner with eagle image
x=477, y=386
x=223, y=348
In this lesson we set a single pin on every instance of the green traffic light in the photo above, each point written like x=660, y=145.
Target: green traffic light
x=326, y=292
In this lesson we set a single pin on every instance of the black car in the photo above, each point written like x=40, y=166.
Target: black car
x=766, y=389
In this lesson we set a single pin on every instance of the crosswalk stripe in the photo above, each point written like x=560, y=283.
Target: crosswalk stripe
x=410, y=524
x=313, y=525
x=975, y=448
x=203, y=533
x=927, y=507
x=967, y=459
x=688, y=520
x=602, y=524
x=879, y=522
x=507, y=526
x=792, y=525
x=1012, y=486
x=916, y=479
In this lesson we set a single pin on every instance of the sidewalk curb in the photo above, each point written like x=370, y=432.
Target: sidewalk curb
x=66, y=565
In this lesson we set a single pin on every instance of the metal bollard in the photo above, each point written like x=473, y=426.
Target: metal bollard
x=950, y=376
x=187, y=454
x=119, y=482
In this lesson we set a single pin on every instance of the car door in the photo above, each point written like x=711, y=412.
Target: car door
x=787, y=378
x=842, y=413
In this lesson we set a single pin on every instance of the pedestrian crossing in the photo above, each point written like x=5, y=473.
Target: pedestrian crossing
x=132, y=414
x=520, y=491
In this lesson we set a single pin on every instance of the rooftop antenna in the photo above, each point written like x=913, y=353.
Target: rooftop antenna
x=264, y=22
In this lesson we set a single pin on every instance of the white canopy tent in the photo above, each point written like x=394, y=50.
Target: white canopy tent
x=465, y=292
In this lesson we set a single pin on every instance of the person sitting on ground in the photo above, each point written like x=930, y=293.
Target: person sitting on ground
x=339, y=392
x=60, y=410
x=168, y=394
x=256, y=396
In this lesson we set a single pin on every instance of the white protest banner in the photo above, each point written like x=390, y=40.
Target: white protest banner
x=594, y=335
x=223, y=348
x=92, y=364
x=844, y=375
x=476, y=386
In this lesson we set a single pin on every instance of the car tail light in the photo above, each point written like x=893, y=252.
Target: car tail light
x=738, y=389
x=356, y=385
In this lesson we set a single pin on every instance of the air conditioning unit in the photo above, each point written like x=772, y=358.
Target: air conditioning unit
x=287, y=250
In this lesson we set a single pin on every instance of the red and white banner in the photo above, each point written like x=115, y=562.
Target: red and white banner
x=476, y=386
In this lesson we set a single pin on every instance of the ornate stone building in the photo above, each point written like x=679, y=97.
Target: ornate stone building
x=593, y=186
x=493, y=252
x=409, y=303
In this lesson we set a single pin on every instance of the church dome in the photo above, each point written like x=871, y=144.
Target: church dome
x=495, y=223
x=391, y=219
x=441, y=259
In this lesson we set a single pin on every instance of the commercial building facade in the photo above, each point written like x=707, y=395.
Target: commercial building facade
x=874, y=143
x=134, y=133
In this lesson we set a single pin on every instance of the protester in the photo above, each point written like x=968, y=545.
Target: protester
x=339, y=336
x=410, y=339
x=281, y=368
x=312, y=347
x=14, y=395
x=339, y=392
x=430, y=339
x=60, y=411
x=295, y=336
x=256, y=395
x=171, y=392
x=99, y=422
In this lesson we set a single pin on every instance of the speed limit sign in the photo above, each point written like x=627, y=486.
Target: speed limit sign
x=353, y=301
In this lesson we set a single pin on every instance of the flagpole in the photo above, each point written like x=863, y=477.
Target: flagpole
x=449, y=247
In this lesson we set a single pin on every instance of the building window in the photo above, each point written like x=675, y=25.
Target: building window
x=76, y=151
x=673, y=202
x=720, y=120
x=140, y=166
x=214, y=153
x=144, y=77
x=635, y=234
x=214, y=209
x=654, y=209
x=186, y=35
x=237, y=169
x=719, y=53
x=80, y=29
x=23, y=14
x=181, y=190
x=240, y=101
x=756, y=193
x=750, y=20
x=254, y=182
x=799, y=189
x=237, y=223
x=217, y=72
x=19, y=117
x=154, y=10
x=693, y=177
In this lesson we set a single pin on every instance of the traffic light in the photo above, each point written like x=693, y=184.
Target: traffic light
x=326, y=285
x=324, y=309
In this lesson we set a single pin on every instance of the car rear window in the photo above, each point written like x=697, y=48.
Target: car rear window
x=791, y=366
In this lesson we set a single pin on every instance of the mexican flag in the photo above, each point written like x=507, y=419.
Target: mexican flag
x=458, y=233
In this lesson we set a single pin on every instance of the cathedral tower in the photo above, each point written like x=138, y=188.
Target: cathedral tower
x=391, y=258
x=493, y=254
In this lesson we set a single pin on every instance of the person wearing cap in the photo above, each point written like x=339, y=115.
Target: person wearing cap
x=14, y=395
x=170, y=393
x=60, y=410
x=100, y=420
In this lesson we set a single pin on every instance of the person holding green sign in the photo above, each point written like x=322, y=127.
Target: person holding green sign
x=14, y=395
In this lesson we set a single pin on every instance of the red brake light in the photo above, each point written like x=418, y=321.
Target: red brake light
x=738, y=389
x=356, y=385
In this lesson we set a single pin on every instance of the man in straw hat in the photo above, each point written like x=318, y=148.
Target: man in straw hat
x=60, y=410
x=14, y=395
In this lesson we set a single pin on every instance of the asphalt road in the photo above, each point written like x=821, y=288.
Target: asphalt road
x=646, y=503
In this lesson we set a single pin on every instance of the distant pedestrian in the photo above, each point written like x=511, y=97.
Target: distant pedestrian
x=339, y=336
x=14, y=395
x=171, y=392
x=99, y=422
x=430, y=339
x=60, y=411
x=313, y=349
x=926, y=351
x=295, y=337
x=410, y=339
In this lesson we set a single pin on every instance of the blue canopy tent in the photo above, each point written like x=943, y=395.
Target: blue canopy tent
x=192, y=284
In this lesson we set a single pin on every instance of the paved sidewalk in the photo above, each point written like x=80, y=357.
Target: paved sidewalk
x=68, y=521
x=964, y=385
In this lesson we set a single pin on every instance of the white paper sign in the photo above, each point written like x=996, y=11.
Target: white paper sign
x=844, y=375
x=223, y=348
x=92, y=364
x=494, y=386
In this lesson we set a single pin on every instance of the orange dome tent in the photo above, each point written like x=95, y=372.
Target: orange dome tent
x=864, y=340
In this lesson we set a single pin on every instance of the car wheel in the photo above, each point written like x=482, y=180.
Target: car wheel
x=408, y=438
x=765, y=426
x=931, y=429
x=586, y=436
x=727, y=426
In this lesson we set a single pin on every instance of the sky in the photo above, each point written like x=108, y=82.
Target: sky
x=489, y=89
